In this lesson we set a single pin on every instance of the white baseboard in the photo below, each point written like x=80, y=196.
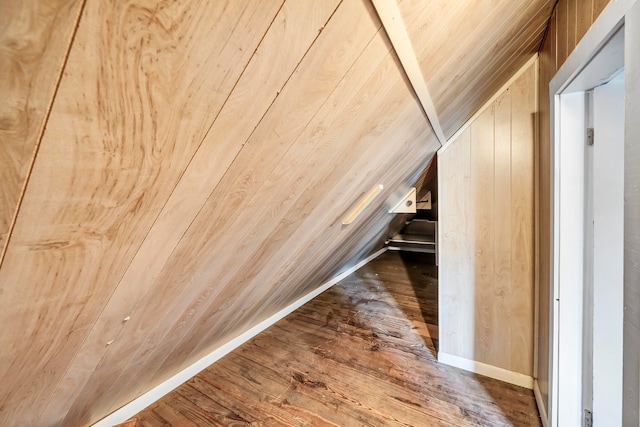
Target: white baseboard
x=138, y=404
x=543, y=411
x=486, y=370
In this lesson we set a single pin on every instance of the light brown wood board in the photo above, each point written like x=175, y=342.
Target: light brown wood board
x=34, y=40
x=223, y=142
x=129, y=114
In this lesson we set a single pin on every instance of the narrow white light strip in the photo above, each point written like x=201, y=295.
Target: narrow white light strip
x=363, y=204
x=393, y=24
x=137, y=405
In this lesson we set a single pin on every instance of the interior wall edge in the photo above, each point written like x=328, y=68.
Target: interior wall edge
x=137, y=405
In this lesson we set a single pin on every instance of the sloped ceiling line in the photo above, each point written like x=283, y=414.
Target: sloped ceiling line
x=393, y=24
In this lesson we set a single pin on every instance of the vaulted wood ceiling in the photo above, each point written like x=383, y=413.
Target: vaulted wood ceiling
x=172, y=173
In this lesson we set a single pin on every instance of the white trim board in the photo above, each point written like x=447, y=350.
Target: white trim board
x=491, y=100
x=541, y=409
x=609, y=21
x=138, y=404
x=490, y=371
x=392, y=21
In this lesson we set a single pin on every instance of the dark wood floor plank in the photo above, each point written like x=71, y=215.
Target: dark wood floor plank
x=362, y=353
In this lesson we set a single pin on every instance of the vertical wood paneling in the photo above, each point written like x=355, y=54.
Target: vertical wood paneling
x=483, y=208
x=486, y=218
x=552, y=56
x=523, y=132
x=457, y=240
x=572, y=23
x=584, y=18
x=34, y=40
x=562, y=24
x=502, y=278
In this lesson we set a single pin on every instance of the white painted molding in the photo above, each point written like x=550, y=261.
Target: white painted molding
x=138, y=404
x=609, y=21
x=389, y=14
x=501, y=374
x=491, y=100
x=541, y=409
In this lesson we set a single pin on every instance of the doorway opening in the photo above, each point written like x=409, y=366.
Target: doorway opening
x=588, y=218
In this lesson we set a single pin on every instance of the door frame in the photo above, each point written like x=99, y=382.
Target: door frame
x=567, y=182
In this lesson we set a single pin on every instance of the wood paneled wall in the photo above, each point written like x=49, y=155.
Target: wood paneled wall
x=34, y=39
x=194, y=162
x=191, y=182
x=569, y=22
x=486, y=221
x=468, y=50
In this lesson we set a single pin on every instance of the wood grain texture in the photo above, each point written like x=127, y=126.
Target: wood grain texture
x=487, y=227
x=242, y=189
x=221, y=145
x=523, y=138
x=198, y=190
x=456, y=239
x=194, y=170
x=467, y=51
x=130, y=123
x=552, y=55
x=34, y=40
x=343, y=359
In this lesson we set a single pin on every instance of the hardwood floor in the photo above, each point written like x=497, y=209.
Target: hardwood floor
x=362, y=353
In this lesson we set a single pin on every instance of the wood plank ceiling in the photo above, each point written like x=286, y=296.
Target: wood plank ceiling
x=175, y=172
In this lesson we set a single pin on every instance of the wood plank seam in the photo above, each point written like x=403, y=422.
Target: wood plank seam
x=221, y=180
x=43, y=127
x=177, y=181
